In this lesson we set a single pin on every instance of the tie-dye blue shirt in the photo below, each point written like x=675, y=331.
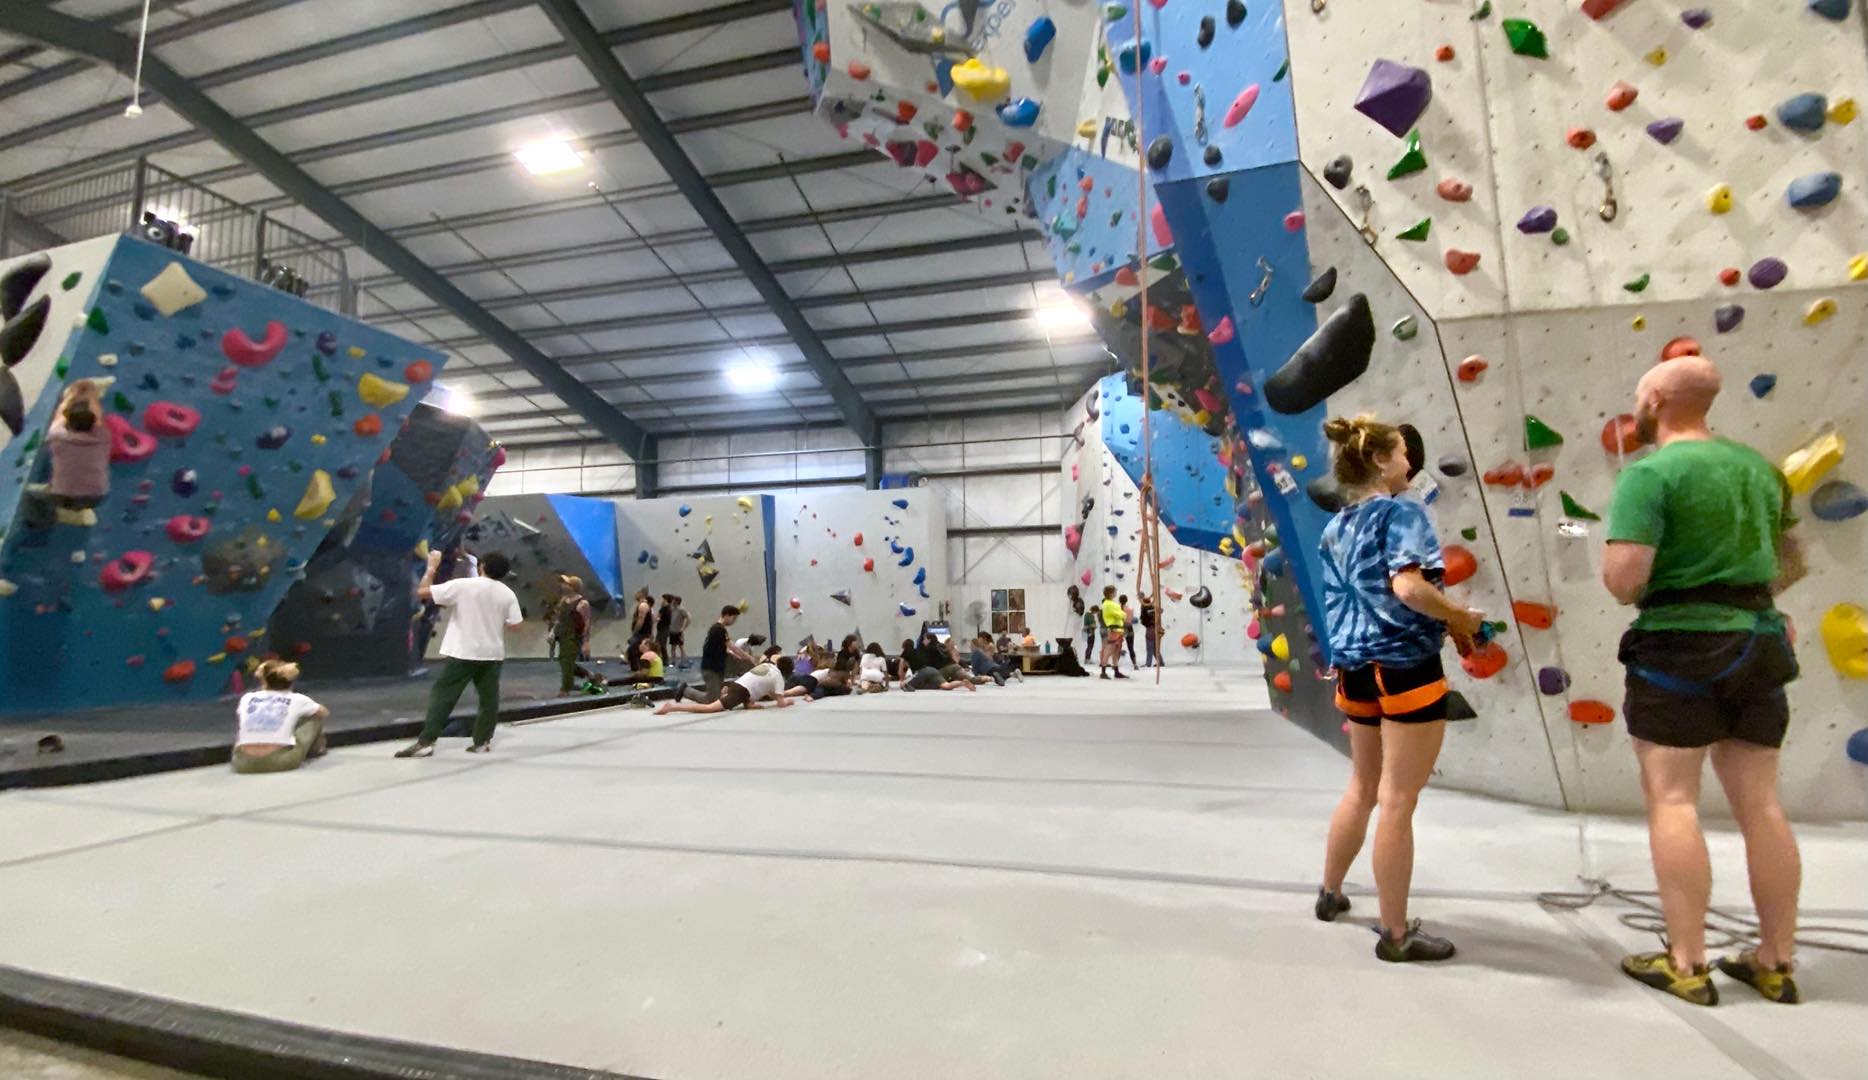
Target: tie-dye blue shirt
x=1363, y=547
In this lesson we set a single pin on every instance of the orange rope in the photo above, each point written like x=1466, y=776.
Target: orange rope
x=1149, y=558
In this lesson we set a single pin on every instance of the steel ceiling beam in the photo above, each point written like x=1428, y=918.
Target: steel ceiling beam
x=599, y=57
x=828, y=424
x=161, y=35
x=108, y=47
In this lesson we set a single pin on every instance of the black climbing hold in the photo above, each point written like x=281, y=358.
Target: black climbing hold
x=1207, y=27
x=1218, y=188
x=1338, y=170
x=1452, y=466
x=1202, y=597
x=1458, y=708
x=1212, y=155
x=1235, y=12
x=1089, y=504
x=1335, y=356
x=12, y=403
x=1326, y=494
x=1416, y=450
x=1320, y=289
x=1160, y=152
x=21, y=332
x=18, y=283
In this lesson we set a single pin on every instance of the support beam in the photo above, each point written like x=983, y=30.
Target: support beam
x=107, y=47
x=649, y=470
x=601, y=61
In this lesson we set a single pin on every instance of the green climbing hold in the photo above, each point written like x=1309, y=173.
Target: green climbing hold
x=989, y=158
x=1115, y=219
x=1637, y=285
x=96, y=321
x=1112, y=12
x=1050, y=187
x=1526, y=39
x=1418, y=232
x=966, y=137
x=1469, y=533
x=1165, y=263
x=337, y=403
x=1572, y=508
x=1283, y=70
x=253, y=488
x=71, y=281
x=121, y=403
x=1102, y=77
x=1405, y=328
x=1412, y=161
x=1539, y=435
x=63, y=367
x=1483, y=11
x=34, y=442
x=318, y=368
x=1559, y=236
x=1498, y=626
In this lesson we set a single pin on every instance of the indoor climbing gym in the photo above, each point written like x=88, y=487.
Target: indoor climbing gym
x=1272, y=540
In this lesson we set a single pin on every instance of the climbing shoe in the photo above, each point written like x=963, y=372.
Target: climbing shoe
x=1657, y=970
x=417, y=749
x=1774, y=983
x=1119, y=674
x=1415, y=946
x=1330, y=904
x=480, y=748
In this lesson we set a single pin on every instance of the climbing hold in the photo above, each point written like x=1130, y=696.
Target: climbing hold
x=1461, y=262
x=1619, y=435
x=1453, y=190
x=1470, y=369
x=1282, y=680
x=1534, y=615
x=170, y=420
x=1552, y=681
x=1201, y=597
x=1281, y=647
x=1838, y=500
x=367, y=426
x=126, y=571
x=1756, y=122
x=1727, y=317
x=1665, y=130
x=1240, y=106
x=1574, y=509
x=1539, y=435
x=1656, y=56
x=1294, y=221
x=273, y=437
x=1819, y=311
x=1621, y=95
x=1485, y=660
x=1019, y=114
x=1719, y=199
x=186, y=529
x=1814, y=190
x=179, y=672
x=1160, y=152
x=1218, y=188
x=858, y=70
x=1580, y=138
x=1235, y=12
x=1038, y=37
x=1329, y=360
x=1394, y=96
x=905, y=611
x=319, y=494
x=841, y=596
x=1451, y=466
x=172, y=290
x=1696, y=18
x=127, y=445
x=1412, y=159
x=1073, y=539
x=1845, y=635
x=1636, y=285
x=243, y=350
x=1596, y=9
x=743, y=502
x=1321, y=287
x=983, y=82
x=1591, y=712
x=1762, y=385
x=1858, y=271
x=1833, y=10
x=1843, y=111
x=1805, y=112
x=1212, y=155
x=1405, y=328
x=1131, y=57
x=1207, y=28
x=184, y=482
x=1526, y=39
x=1444, y=54
x=1538, y=219
x=857, y=540
x=1459, y=563
x=1416, y=232
x=1767, y=273
x=1338, y=171
x=869, y=567
x=908, y=557
x=1190, y=640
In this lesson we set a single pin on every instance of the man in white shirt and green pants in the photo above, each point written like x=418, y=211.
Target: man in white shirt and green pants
x=473, y=648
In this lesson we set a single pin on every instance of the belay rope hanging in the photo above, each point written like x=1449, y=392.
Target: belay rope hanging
x=1148, y=559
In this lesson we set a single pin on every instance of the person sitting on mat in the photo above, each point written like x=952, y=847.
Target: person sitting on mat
x=873, y=675
x=279, y=728
x=764, y=682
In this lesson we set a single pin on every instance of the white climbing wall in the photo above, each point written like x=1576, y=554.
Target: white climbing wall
x=817, y=555
x=40, y=363
x=656, y=543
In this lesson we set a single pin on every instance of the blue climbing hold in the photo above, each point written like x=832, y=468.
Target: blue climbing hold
x=921, y=576
x=1762, y=385
x=900, y=504
x=1038, y=37
x=685, y=510
x=905, y=610
x=1815, y=190
x=1274, y=562
x=1838, y=500
x=908, y=557
x=1805, y=112
x=1019, y=114
x=642, y=557
x=1130, y=58
x=1834, y=11
x=1858, y=747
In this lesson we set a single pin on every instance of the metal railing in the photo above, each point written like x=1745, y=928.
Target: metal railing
x=151, y=201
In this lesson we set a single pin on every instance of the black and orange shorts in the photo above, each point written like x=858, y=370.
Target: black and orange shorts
x=1406, y=695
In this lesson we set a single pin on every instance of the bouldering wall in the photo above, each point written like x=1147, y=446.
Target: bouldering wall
x=356, y=605
x=872, y=563
x=710, y=551
x=242, y=422
x=544, y=536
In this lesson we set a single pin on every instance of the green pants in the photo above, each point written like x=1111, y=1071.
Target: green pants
x=446, y=692
x=569, y=648
x=285, y=758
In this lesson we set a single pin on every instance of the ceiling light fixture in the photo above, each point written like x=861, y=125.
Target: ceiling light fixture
x=1062, y=318
x=548, y=157
x=752, y=375
x=452, y=399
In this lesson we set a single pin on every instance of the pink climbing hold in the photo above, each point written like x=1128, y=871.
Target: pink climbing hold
x=1241, y=105
x=1073, y=539
x=1222, y=333
x=1084, y=577
x=126, y=571
x=127, y=445
x=186, y=528
x=246, y=352
x=168, y=419
x=224, y=382
x=1208, y=401
x=1158, y=219
x=1294, y=221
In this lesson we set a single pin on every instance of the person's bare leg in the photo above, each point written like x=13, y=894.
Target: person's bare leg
x=1748, y=773
x=1408, y=755
x=1350, y=823
x=1670, y=782
x=667, y=707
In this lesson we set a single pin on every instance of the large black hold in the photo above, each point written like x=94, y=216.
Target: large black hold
x=18, y=283
x=1335, y=356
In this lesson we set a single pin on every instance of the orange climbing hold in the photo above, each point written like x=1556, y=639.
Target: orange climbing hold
x=1534, y=615
x=1510, y=474
x=1618, y=435
x=858, y=70
x=1591, y=712
x=1460, y=564
x=179, y=671
x=1461, y=262
x=1541, y=473
x=1190, y=641
x=1443, y=54
x=369, y=425
x=1621, y=95
x=1580, y=138
x=1678, y=347
x=418, y=371
x=1485, y=661
x=962, y=121
x=1471, y=368
x=1282, y=680
x=820, y=52
x=1729, y=276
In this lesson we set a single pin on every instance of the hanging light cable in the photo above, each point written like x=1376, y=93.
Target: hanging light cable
x=135, y=107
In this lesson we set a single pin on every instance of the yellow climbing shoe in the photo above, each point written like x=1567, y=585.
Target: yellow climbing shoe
x=1774, y=983
x=1657, y=970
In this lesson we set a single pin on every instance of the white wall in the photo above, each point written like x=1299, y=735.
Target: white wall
x=656, y=543
x=817, y=554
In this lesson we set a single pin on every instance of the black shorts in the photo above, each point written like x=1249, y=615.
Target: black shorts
x=1406, y=695
x=1712, y=686
x=677, y=638
x=733, y=696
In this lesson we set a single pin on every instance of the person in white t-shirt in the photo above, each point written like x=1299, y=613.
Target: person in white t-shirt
x=473, y=648
x=279, y=729
x=764, y=682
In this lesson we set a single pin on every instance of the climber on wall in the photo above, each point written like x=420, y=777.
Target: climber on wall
x=1387, y=621
x=1699, y=540
x=473, y=649
x=570, y=629
x=80, y=451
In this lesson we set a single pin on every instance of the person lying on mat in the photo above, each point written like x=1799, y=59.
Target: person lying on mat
x=764, y=682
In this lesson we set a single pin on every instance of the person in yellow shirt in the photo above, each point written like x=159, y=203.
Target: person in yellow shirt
x=1115, y=622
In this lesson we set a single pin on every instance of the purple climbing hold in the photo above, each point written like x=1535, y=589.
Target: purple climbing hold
x=1538, y=219
x=1767, y=273
x=1727, y=318
x=1394, y=95
x=1696, y=18
x=1552, y=681
x=1665, y=130
x=327, y=343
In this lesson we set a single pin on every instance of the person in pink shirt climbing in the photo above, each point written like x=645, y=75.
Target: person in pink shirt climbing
x=79, y=447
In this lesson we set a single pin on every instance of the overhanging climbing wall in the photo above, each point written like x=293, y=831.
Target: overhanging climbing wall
x=241, y=423
x=872, y=563
x=543, y=537
x=711, y=552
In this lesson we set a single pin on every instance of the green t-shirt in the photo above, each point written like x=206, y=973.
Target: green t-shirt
x=1714, y=511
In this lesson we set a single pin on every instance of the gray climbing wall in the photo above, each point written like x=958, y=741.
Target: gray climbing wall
x=660, y=542
x=872, y=563
x=544, y=536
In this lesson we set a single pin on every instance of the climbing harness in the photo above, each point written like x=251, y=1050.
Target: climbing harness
x=1752, y=598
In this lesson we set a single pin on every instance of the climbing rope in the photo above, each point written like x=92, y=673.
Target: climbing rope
x=1148, y=560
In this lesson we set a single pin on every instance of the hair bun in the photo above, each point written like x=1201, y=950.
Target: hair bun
x=1338, y=430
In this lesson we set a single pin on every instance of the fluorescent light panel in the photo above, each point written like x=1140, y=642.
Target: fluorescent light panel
x=548, y=157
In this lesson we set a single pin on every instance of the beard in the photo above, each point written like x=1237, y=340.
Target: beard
x=1646, y=427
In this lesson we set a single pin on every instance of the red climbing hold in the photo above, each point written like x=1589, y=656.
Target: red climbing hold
x=1756, y=121
x=246, y=352
x=869, y=566
x=858, y=70
x=127, y=445
x=1443, y=54
x=418, y=371
x=1453, y=189
x=1471, y=368
x=166, y=418
x=1485, y=660
x=1534, y=615
x=369, y=425
x=1595, y=9
x=1618, y=435
x=1591, y=712
x=1282, y=680
x=1461, y=262
x=179, y=672
x=1730, y=276
x=820, y=52
x=1190, y=321
x=186, y=528
x=1581, y=138
x=904, y=111
x=234, y=644
x=1128, y=278
x=1222, y=333
x=962, y=121
x=1510, y=474
x=126, y=571
x=925, y=152
x=1460, y=564
x=1678, y=347
x=1621, y=95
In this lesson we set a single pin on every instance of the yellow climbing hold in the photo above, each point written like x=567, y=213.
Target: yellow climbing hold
x=1087, y=129
x=274, y=515
x=1858, y=268
x=421, y=548
x=980, y=80
x=380, y=392
x=1639, y=322
x=450, y=500
x=744, y=503
x=1298, y=461
x=1819, y=311
x=356, y=353
x=157, y=603
x=1719, y=199
x=1119, y=308
x=1843, y=111
x=744, y=605
x=1657, y=57
x=1845, y=635
x=319, y=495
x=1807, y=463
x=1281, y=647
x=318, y=440
x=215, y=658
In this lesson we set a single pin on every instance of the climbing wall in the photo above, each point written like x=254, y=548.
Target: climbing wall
x=355, y=606
x=872, y=563
x=544, y=536
x=242, y=423
x=710, y=551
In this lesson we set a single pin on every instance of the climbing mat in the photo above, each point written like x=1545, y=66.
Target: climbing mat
x=242, y=423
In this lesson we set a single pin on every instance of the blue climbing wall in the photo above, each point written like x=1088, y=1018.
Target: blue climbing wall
x=1190, y=485
x=201, y=533
x=591, y=525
